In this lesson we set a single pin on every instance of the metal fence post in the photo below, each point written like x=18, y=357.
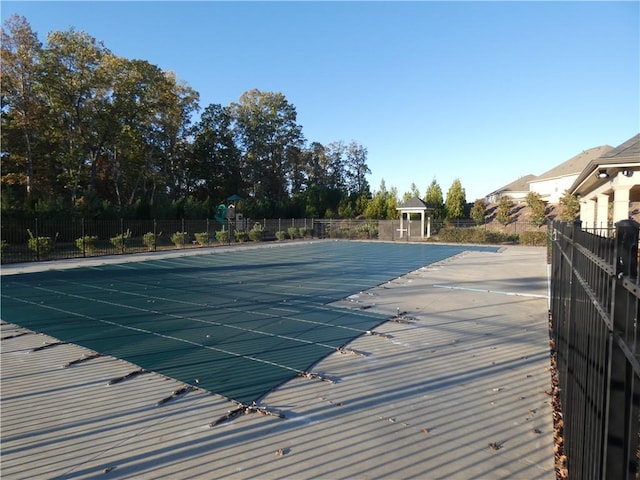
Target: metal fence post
x=37, y=239
x=122, y=235
x=84, y=250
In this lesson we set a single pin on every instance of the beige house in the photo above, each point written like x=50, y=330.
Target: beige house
x=608, y=184
x=516, y=191
x=552, y=184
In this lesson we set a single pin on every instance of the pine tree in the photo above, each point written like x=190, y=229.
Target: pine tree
x=538, y=209
x=456, y=201
x=433, y=198
x=570, y=207
x=503, y=214
x=478, y=211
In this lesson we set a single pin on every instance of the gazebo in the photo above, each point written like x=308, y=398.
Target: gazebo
x=414, y=205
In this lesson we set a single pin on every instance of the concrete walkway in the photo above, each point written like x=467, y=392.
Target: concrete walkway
x=455, y=390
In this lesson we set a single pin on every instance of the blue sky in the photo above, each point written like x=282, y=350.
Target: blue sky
x=481, y=91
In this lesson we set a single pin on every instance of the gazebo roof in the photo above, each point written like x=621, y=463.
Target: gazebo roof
x=414, y=204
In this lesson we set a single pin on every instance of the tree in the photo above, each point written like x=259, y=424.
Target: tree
x=317, y=165
x=177, y=102
x=323, y=182
x=433, y=197
x=76, y=81
x=96, y=133
x=503, y=213
x=356, y=169
x=336, y=165
x=135, y=162
x=266, y=128
x=392, y=204
x=478, y=211
x=217, y=171
x=538, y=209
x=570, y=207
x=412, y=193
x=383, y=204
x=456, y=201
x=19, y=78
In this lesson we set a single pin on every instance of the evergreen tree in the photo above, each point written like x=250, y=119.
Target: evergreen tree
x=570, y=207
x=392, y=204
x=383, y=204
x=456, y=201
x=478, y=211
x=503, y=214
x=412, y=193
x=538, y=209
x=433, y=197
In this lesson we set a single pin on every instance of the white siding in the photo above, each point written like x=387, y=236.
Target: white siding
x=553, y=188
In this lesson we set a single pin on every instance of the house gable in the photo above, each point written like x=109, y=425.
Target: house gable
x=552, y=184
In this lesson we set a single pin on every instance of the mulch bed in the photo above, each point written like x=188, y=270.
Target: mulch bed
x=562, y=472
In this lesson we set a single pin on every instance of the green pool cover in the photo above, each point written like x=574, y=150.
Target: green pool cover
x=241, y=322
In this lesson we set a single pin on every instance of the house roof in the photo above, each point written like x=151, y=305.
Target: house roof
x=628, y=150
x=624, y=154
x=519, y=185
x=575, y=165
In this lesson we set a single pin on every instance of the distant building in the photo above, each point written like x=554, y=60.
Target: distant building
x=516, y=191
x=552, y=184
x=608, y=184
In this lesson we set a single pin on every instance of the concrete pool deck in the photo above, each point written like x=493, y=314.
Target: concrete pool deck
x=454, y=389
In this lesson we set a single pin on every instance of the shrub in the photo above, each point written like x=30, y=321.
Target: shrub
x=367, y=231
x=179, y=239
x=241, y=236
x=281, y=235
x=478, y=210
x=570, y=207
x=3, y=246
x=150, y=239
x=475, y=235
x=291, y=231
x=536, y=239
x=302, y=231
x=87, y=244
x=121, y=242
x=41, y=245
x=538, y=209
x=222, y=236
x=202, y=238
x=256, y=233
x=503, y=214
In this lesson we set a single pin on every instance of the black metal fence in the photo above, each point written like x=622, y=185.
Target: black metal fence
x=594, y=328
x=54, y=239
